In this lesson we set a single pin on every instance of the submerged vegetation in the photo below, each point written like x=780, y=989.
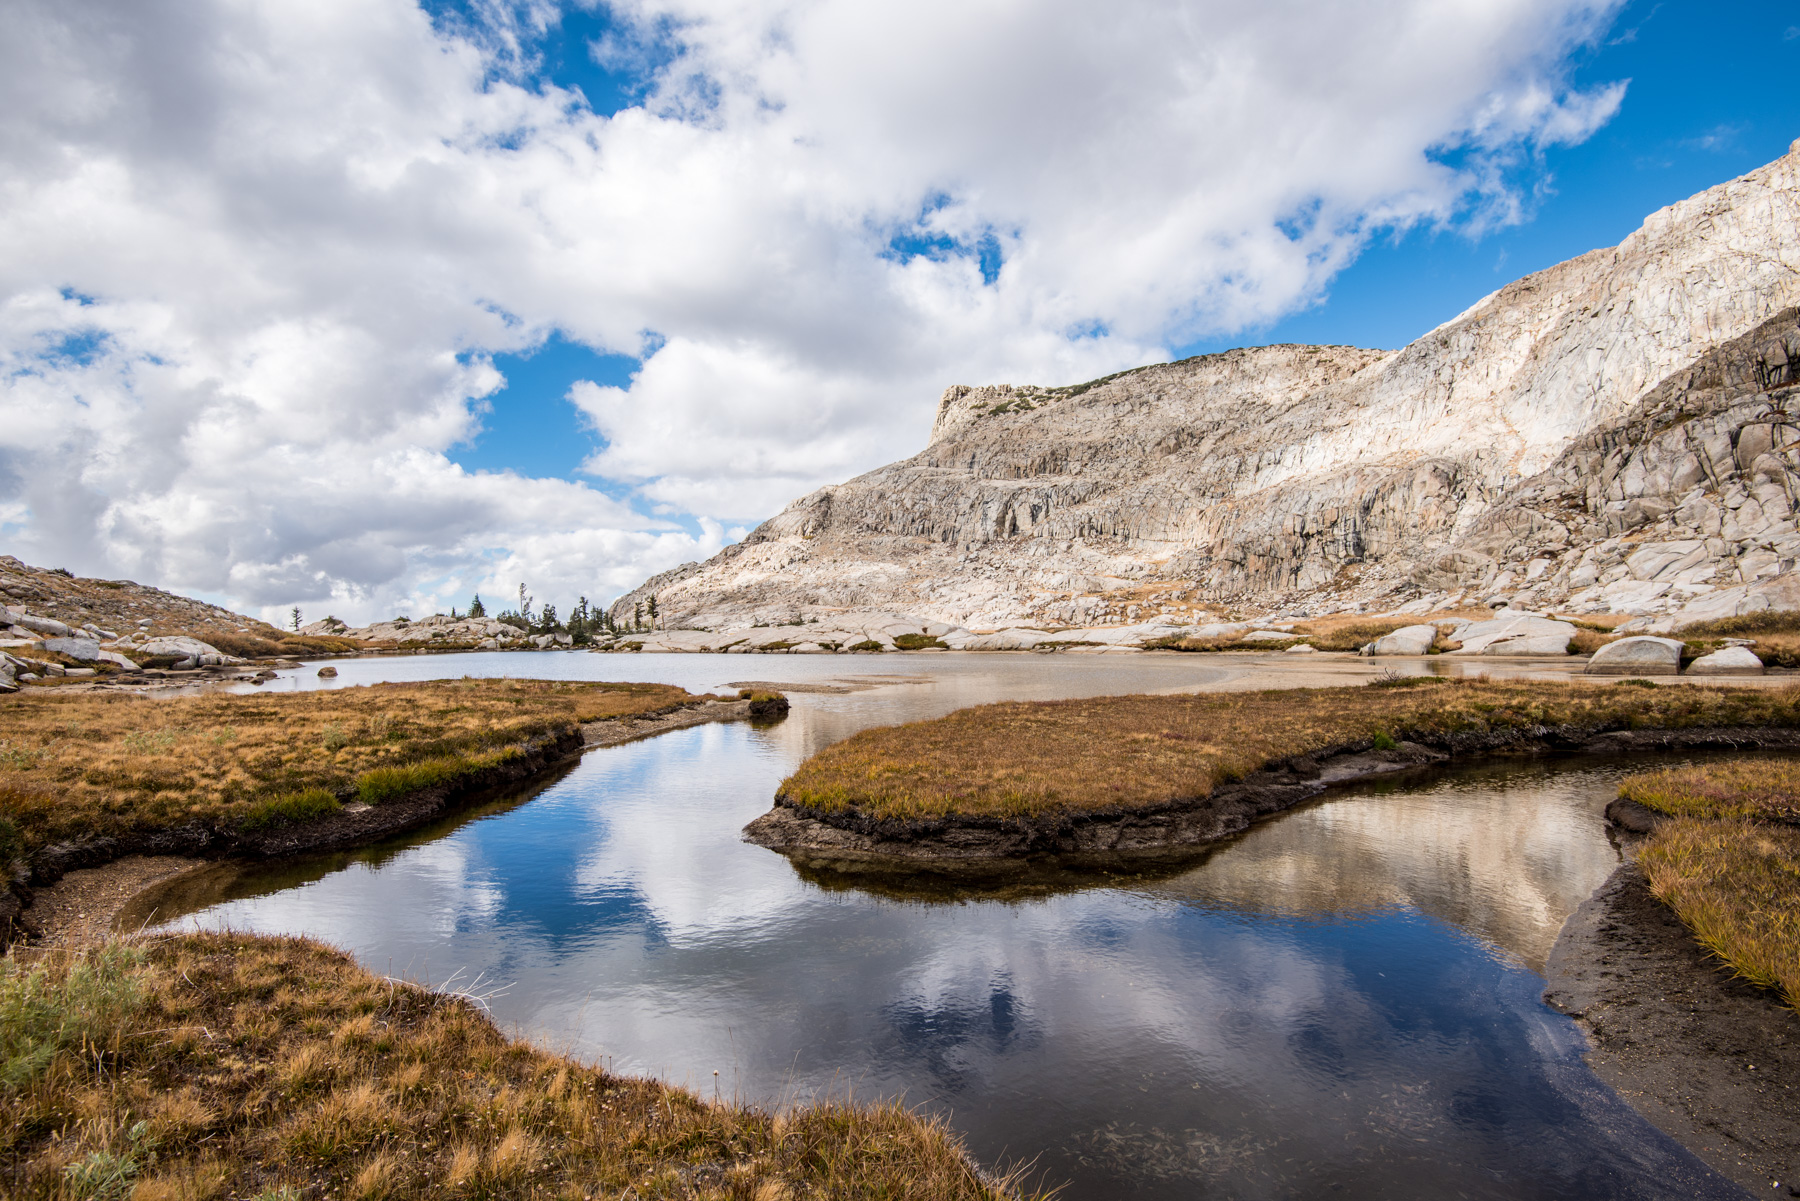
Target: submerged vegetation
x=221, y=1065
x=1028, y=758
x=85, y=765
x=1729, y=864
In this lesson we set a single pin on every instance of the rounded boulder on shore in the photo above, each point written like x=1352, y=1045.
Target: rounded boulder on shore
x=1730, y=661
x=1642, y=655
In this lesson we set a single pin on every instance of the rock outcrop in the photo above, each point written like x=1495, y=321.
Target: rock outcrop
x=1640, y=655
x=52, y=603
x=437, y=632
x=1611, y=434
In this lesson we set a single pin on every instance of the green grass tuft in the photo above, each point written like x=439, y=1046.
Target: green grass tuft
x=292, y=809
x=386, y=783
x=44, y=1010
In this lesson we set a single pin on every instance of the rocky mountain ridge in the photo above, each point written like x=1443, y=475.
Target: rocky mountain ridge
x=1560, y=444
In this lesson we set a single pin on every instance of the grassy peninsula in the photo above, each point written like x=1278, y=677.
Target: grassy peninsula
x=1728, y=863
x=1030, y=759
x=207, y=1066
x=85, y=766
x=217, y=1065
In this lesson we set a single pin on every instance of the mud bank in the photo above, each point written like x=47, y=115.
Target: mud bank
x=978, y=847
x=1712, y=1061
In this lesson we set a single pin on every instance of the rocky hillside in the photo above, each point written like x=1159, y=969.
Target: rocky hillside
x=119, y=607
x=54, y=624
x=1606, y=435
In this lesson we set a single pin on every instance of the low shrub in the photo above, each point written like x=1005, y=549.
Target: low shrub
x=109, y=1173
x=1776, y=634
x=157, y=661
x=1587, y=641
x=1399, y=681
x=917, y=642
x=867, y=644
x=387, y=783
x=74, y=1001
x=1352, y=635
x=292, y=809
x=1749, y=625
x=245, y=646
x=1191, y=645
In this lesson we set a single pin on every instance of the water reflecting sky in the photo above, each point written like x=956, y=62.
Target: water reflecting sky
x=1342, y=1001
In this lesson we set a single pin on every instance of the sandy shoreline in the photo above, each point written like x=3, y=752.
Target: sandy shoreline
x=1712, y=1061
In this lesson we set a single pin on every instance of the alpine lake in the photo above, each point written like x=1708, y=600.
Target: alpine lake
x=1342, y=1001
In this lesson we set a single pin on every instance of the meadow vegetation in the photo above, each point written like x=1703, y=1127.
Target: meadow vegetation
x=209, y=1066
x=1776, y=634
x=1021, y=759
x=1729, y=862
x=277, y=644
x=1345, y=632
x=80, y=765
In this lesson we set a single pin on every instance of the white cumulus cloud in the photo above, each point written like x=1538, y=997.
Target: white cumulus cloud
x=255, y=257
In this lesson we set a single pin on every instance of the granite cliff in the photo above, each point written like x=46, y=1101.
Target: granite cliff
x=1610, y=434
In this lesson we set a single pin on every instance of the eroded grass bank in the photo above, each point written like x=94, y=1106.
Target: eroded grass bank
x=1729, y=862
x=1026, y=759
x=214, y=1065
x=86, y=766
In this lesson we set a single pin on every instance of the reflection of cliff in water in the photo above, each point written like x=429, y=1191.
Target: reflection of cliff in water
x=1506, y=852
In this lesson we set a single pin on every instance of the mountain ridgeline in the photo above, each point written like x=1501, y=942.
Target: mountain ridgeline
x=1610, y=434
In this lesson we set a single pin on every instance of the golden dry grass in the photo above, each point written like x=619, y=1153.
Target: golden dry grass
x=1776, y=634
x=1729, y=864
x=276, y=644
x=1736, y=884
x=1763, y=789
x=1352, y=632
x=1345, y=632
x=1027, y=758
x=228, y=1065
x=84, y=765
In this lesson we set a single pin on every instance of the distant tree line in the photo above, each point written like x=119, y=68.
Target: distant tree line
x=584, y=623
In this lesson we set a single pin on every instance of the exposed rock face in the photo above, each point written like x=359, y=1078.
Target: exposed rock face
x=189, y=652
x=1638, y=656
x=1731, y=661
x=50, y=602
x=1408, y=640
x=439, y=630
x=1609, y=434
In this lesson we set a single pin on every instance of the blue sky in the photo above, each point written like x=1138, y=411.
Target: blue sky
x=1710, y=97
x=724, y=252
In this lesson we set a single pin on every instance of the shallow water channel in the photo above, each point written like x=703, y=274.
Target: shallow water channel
x=1342, y=1001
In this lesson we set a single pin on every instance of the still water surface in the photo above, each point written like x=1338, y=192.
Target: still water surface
x=1343, y=1001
